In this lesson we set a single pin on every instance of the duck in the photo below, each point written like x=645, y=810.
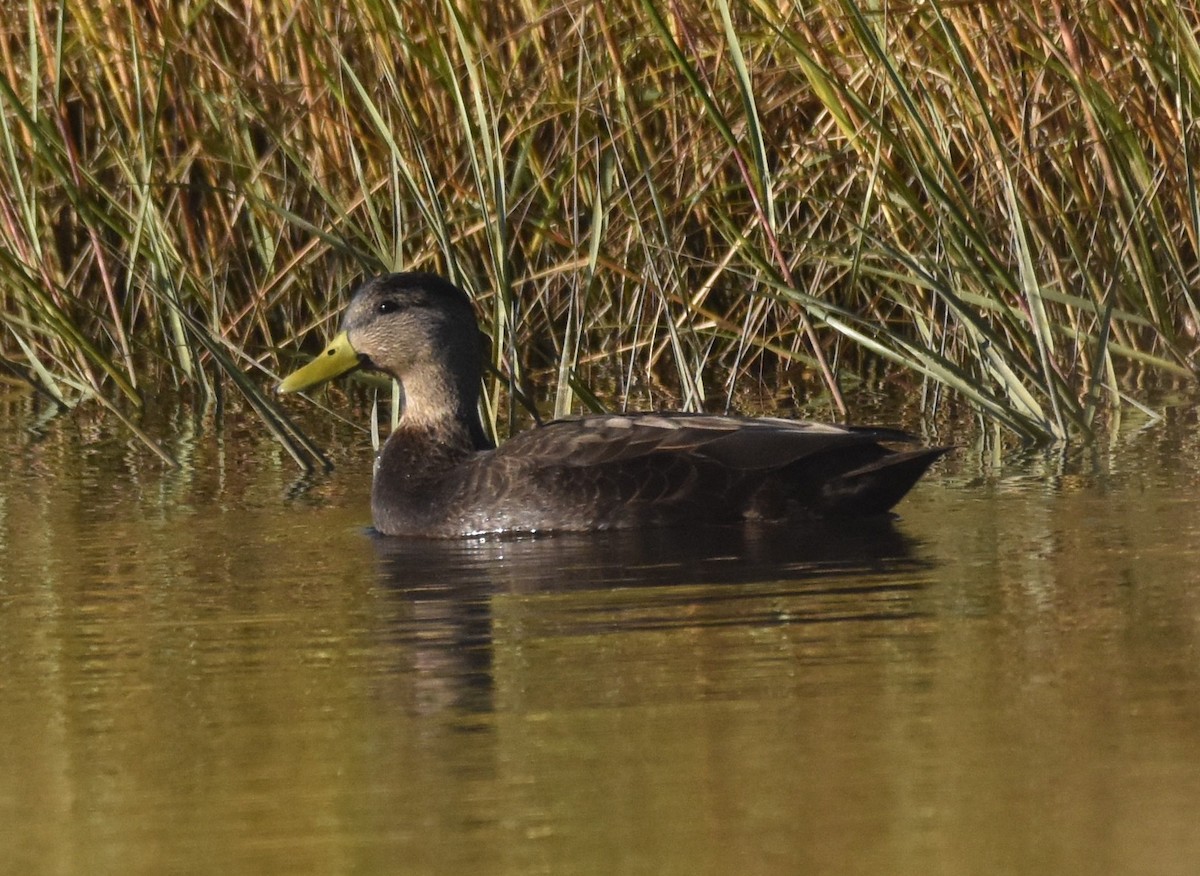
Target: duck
x=439, y=475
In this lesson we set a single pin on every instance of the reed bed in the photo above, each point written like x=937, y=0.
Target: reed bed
x=996, y=202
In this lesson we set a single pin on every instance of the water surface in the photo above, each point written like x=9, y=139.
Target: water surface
x=218, y=670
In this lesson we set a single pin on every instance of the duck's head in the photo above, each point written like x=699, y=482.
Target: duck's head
x=417, y=327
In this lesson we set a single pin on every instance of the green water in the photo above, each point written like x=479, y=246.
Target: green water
x=217, y=670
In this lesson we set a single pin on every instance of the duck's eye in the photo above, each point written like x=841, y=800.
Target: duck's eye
x=387, y=305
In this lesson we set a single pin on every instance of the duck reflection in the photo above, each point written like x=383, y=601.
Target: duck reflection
x=448, y=595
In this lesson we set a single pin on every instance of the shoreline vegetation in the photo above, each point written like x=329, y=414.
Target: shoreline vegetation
x=996, y=202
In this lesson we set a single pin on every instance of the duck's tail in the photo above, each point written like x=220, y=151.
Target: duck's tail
x=874, y=487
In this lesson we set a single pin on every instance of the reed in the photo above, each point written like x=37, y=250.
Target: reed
x=647, y=198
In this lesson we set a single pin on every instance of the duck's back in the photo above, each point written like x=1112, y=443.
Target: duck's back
x=623, y=471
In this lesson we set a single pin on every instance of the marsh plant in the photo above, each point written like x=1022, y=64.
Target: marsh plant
x=994, y=202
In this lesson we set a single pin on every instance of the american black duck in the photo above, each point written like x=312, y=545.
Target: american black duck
x=439, y=476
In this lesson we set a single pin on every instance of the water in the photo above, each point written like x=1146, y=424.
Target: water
x=216, y=670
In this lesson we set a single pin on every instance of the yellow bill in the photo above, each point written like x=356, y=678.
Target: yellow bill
x=339, y=358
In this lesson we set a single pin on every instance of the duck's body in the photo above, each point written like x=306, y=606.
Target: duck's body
x=438, y=476
x=616, y=472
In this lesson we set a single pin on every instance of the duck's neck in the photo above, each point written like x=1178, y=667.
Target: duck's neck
x=443, y=408
x=438, y=430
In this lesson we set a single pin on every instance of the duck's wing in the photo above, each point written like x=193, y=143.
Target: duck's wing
x=740, y=443
x=707, y=467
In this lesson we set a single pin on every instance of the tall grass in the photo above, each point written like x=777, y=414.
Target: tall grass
x=645, y=196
